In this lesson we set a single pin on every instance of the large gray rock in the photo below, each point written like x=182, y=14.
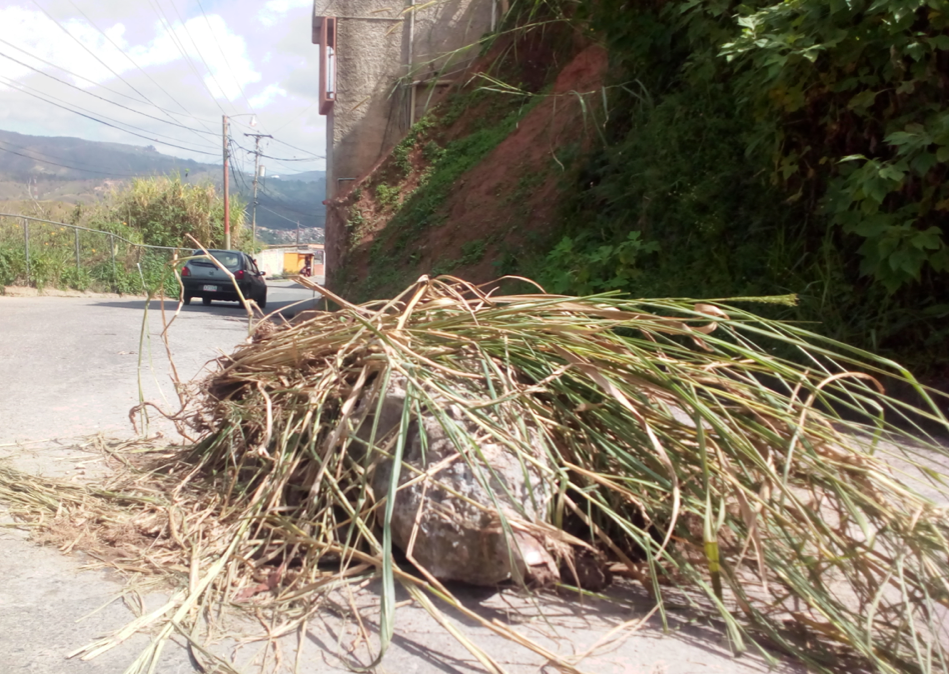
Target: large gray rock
x=457, y=525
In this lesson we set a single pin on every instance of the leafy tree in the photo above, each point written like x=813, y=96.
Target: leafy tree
x=161, y=211
x=853, y=95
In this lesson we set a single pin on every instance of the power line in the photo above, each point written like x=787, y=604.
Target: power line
x=23, y=88
x=292, y=158
x=289, y=219
x=47, y=155
x=163, y=18
x=90, y=52
x=276, y=159
x=279, y=204
x=196, y=49
x=283, y=142
x=102, y=98
x=140, y=69
x=43, y=96
x=76, y=168
x=109, y=89
x=223, y=56
x=296, y=118
x=290, y=168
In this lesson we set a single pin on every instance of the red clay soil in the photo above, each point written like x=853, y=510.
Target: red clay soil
x=500, y=205
x=515, y=190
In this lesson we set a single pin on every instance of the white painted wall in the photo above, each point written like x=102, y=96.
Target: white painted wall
x=271, y=261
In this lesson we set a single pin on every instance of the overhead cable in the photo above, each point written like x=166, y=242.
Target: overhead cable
x=269, y=210
x=276, y=202
x=166, y=23
x=91, y=53
x=223, y=56
x=140, y=69
x=36, y=93
x=283, y=142
x=102, y=98
x=43, y=154
x=76, y=168
x=292, y=158
x=100, y=121
x=197, y=49
x=283, y=126
x=109, y=89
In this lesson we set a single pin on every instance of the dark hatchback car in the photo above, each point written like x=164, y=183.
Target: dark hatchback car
x=202, y=278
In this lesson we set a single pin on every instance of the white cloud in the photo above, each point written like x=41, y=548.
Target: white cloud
x=196, y=38
x=212, y=49
x=265, y=97
x=37, y=34
x=273, y=63
x=274, y=10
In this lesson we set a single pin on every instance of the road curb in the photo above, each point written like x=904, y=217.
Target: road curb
x=26, y=291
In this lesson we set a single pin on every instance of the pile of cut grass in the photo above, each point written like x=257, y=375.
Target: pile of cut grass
x=781, y=494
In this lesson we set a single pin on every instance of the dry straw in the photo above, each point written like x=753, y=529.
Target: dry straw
x=783, y=499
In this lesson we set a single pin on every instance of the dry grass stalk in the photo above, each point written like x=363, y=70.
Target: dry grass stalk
x=677, y=439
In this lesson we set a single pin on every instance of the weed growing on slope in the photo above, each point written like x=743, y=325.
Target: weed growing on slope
x=388, y=195
x=389, y=257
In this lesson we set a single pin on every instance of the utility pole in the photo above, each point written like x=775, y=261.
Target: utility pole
x=227, y=202
x=256, y=137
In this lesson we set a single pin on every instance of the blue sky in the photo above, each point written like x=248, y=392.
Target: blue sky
x=175, y=65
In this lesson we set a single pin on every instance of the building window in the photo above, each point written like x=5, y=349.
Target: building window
x=324, y=36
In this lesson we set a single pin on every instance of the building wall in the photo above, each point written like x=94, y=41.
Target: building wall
x=270, y=261
x=278, y=261
x=377, y=45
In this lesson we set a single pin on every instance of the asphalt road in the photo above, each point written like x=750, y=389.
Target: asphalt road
x=72, y=367
x=79, y=361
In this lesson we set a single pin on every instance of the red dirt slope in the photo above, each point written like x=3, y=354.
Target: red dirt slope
x=496, y=208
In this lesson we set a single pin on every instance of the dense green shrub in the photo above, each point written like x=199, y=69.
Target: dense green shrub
x=164, y=210
x=771, y=147
x=158, y=211
x=853, y=102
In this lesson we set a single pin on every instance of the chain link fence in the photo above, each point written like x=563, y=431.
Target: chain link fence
x=45, y=253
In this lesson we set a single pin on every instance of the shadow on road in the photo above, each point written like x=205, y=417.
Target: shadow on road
x=287, y=308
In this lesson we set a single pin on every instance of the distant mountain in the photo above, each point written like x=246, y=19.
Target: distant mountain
x=304, y=177
x=25, y=157
x=284, y=201
x=74, y=171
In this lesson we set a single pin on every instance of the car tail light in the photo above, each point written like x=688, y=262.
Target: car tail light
x=239, y=275
x=185, y=271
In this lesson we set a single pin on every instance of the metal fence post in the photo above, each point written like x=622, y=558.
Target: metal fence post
x=26, y=239
x=77, y=253
x=115, y=278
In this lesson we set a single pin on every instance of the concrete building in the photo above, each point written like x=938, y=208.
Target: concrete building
x=379, y=65
x=287, y=260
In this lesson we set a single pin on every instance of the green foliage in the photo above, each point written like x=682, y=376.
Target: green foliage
x=157, y=211
x=433, y=152
x=421, y=210
x=852, y=95
x=400, y=156
x=603, y=268
x=164, y=210
x=472, y=252
x=356, y=220
x=769, y=147
x=388, y=196
x=391, y=256
x=354, y=224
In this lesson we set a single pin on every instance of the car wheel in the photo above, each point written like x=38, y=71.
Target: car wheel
x=206, y=301
x=186, y=299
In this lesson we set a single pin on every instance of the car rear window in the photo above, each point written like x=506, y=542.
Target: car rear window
x=229, y=260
